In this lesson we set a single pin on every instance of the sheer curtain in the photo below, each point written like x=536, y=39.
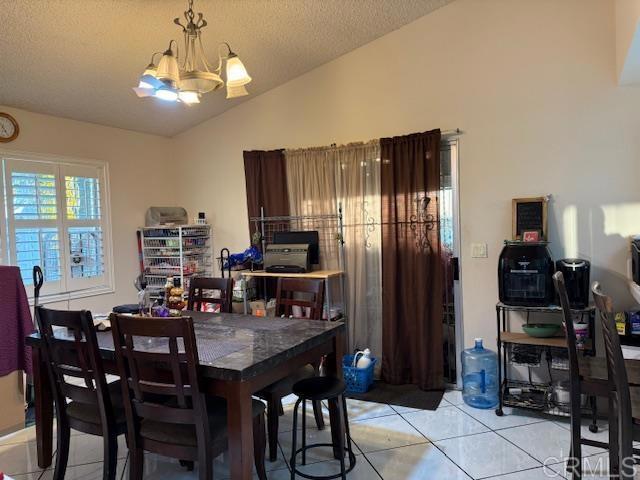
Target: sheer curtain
x=321, y=179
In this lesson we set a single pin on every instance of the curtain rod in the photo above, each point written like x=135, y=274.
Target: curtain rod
x=444, y=133
x=452, y=133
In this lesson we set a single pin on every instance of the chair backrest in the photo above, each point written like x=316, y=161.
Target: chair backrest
x=77, y=357
x=618, y=380
x=301, y=292
x=200, y=292
x=158, y=363
x=567, y=320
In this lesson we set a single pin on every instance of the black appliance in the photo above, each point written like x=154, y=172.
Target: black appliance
x=635, y=260
x=576, y=273
x=525, y=272
x=309, y=237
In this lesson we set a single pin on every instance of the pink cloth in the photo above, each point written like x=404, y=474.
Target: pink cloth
x=15, y=322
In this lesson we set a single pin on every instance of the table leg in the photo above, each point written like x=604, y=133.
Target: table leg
x=44, y=409
x=240, y=430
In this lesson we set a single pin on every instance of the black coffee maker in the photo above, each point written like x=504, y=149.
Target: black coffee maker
x=576, y=272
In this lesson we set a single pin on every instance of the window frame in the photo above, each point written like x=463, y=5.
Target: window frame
x=67, y=288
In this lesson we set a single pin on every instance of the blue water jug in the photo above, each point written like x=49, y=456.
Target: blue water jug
x=480, y=376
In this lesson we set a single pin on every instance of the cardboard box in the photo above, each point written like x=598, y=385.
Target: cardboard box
x=259, y=308
x=12, y=402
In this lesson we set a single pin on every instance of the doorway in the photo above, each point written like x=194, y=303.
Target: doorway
x=450, y=246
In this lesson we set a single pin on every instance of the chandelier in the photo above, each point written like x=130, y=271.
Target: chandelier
x=186, y=77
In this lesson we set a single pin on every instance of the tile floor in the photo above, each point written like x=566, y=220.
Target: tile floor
x=455, y=442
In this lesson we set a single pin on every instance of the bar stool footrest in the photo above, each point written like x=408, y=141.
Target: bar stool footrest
x=352, y=462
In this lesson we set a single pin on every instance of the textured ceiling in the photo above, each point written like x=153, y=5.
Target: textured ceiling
x=79, y=58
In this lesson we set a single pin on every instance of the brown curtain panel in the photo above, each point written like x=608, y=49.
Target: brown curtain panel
x=265, y=174
x=412, y=279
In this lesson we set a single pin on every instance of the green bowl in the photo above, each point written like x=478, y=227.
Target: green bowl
x=541, y=330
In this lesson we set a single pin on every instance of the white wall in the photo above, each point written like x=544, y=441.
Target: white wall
x=138, y=175
x=532, y=84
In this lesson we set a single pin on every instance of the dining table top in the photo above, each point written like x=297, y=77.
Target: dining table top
x=234, y=346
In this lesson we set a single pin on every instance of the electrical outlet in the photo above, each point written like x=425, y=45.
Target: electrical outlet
x=478, y=250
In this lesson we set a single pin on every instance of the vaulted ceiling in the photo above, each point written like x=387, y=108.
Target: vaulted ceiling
x=79, y=58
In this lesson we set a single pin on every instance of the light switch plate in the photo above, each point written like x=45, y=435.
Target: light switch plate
x=478, y=250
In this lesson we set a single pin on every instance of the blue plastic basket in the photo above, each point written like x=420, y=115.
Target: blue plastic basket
x=358, y=380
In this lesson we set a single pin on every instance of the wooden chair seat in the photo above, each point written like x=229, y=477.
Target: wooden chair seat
x=285, y=385
x=185, y=434
x=90, y=413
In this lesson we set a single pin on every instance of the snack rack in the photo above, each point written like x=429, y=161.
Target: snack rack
x=178, y=251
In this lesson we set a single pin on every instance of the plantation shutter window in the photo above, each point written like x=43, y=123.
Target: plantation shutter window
x=56, y=218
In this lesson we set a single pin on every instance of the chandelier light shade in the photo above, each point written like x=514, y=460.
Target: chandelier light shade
x=168, y=69
x=239, y=91
x=187, y=78
x=236, y=73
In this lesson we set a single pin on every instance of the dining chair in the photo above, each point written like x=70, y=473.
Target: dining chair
x=199, y=288
x=303, y=293
x=626, y=423
x=159, y=357
x=578, y=385
x=76, y=373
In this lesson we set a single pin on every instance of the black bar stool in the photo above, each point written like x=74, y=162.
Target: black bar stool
x=332, y=390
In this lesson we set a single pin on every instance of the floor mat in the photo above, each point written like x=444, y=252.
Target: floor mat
x=401, y=395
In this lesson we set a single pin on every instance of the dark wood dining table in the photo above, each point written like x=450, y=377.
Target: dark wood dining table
x=239, y=355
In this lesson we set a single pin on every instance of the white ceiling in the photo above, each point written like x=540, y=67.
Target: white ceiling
x=79, y=58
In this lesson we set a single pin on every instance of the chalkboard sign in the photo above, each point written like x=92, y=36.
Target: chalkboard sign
x=529, y=215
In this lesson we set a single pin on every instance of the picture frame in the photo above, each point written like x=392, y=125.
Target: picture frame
x=531, y=236
x=529, y=215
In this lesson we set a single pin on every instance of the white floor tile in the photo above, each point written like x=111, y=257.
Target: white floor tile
x=445, y=422
x=454, y=397
x=486, y=455
x=384, y=432
x=91, y=471
x=361, y=410
x=159, y=467
x=19, y=458
x=534, y=474
x=415, y=462
x=602, y=435
x=362, y=471
x=314, y=455
x=511, y=418
x=401, y=409
x=88, y=449
x=545, y=441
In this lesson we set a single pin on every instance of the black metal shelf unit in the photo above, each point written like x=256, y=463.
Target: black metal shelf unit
x=535, y=395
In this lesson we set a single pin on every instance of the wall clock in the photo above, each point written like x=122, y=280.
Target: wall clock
x=9, y=128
